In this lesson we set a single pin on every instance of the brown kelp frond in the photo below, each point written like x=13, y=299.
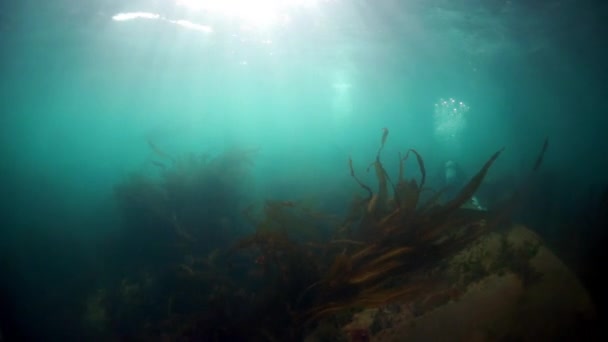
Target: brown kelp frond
x=381, y=197
x=469, y=189
x=402, y=167
x=361, y=184
x=382, y=141
x=420, y=166
x=369, y=275
x=433, y=201
x=394, y=253
x=348, y=242
x=370, y=297
x=377, y=204
x=407, y=193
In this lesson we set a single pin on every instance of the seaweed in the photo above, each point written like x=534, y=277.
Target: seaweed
x=297, y=268
x=381, y=253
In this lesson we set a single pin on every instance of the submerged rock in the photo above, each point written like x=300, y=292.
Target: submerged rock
x=506, y=286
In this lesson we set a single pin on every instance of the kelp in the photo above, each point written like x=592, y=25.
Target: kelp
x=299, y=266
x=178, y=220
x=361, y=184
x=382, y=251
x=407, y=193
x=403, y=239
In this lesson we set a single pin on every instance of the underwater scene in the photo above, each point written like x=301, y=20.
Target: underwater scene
x=303, y=170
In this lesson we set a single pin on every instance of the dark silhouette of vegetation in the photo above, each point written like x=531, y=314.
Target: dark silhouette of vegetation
x=200, y=276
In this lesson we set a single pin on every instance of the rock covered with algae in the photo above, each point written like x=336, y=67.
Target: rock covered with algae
x=505, y=286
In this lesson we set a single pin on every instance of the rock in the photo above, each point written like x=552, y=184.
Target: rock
x=506, y=286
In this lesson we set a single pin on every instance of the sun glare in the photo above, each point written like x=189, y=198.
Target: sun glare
x=135, y=15
x=145, y=15
x=261, y=13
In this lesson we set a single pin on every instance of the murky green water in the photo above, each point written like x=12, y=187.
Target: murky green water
x=94, y=92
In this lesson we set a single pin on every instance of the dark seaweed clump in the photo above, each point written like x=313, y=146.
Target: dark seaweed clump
x=195, y=265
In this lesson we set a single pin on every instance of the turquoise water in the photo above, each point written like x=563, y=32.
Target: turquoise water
x=87, y=89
